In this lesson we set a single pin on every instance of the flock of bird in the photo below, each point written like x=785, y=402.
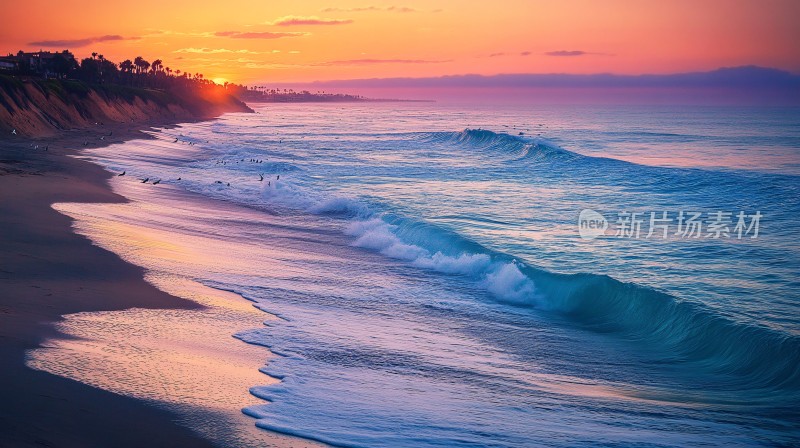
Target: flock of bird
x=218, y=162
x=158, y=181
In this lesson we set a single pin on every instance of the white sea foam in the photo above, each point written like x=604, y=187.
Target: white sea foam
x=502, y=279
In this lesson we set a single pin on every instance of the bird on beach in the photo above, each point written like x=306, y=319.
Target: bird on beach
x=145, y=181
x=279, y=177
x=13, y=132
x=157, y=182
x=176, y=141
x=179, y=178
x=261, y=177
x=103, y=137
x=121, y=174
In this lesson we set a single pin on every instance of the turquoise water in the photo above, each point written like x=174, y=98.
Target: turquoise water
x=440, y=294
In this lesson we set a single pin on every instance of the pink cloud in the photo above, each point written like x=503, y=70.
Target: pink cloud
x=308, y=20
x=256, y=35
x=74, y=43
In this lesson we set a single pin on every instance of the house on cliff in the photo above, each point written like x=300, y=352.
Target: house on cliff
x=39, y=63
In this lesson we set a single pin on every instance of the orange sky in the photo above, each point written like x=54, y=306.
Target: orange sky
x=294, y=41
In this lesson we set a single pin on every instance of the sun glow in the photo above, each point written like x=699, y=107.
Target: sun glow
x=219, y=81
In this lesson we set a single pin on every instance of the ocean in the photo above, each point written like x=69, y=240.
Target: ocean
x=424, y=278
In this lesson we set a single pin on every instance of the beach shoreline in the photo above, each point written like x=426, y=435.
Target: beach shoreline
x=48, y=271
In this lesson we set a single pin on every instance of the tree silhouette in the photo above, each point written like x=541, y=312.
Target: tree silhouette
x=126, y=66
x=62, y=64
x=141, y=65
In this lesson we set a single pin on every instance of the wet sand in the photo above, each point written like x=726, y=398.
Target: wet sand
x=48, y=271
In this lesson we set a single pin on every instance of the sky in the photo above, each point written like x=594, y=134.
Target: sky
x=276, y=41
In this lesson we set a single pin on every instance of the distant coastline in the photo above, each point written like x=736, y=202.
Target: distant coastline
x=263, y=94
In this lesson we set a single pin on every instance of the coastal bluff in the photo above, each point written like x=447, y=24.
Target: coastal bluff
x=43, y=107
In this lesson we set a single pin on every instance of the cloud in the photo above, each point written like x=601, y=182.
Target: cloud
x=523, y=53
x=567, y=53
x=256, y=35
x=217, y=60
x=155, y=32
x=213, y=51
x=307, y=20
x=75, y=43
x=381, y=61
x=372, y=8
x=272, y=65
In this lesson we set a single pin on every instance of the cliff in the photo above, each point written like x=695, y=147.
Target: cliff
x=38, y=107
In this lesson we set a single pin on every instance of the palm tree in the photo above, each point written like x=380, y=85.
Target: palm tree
x=157, y=65
x=126, y=67
x=141, y=67
x=139, y=63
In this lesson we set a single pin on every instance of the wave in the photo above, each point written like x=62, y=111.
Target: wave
x=516, y=147
x=745, y=356
x=751, y=357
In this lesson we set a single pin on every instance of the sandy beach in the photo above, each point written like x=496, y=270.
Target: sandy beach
x=48, y=271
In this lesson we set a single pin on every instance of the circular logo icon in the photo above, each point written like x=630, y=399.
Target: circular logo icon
x=591, y=224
